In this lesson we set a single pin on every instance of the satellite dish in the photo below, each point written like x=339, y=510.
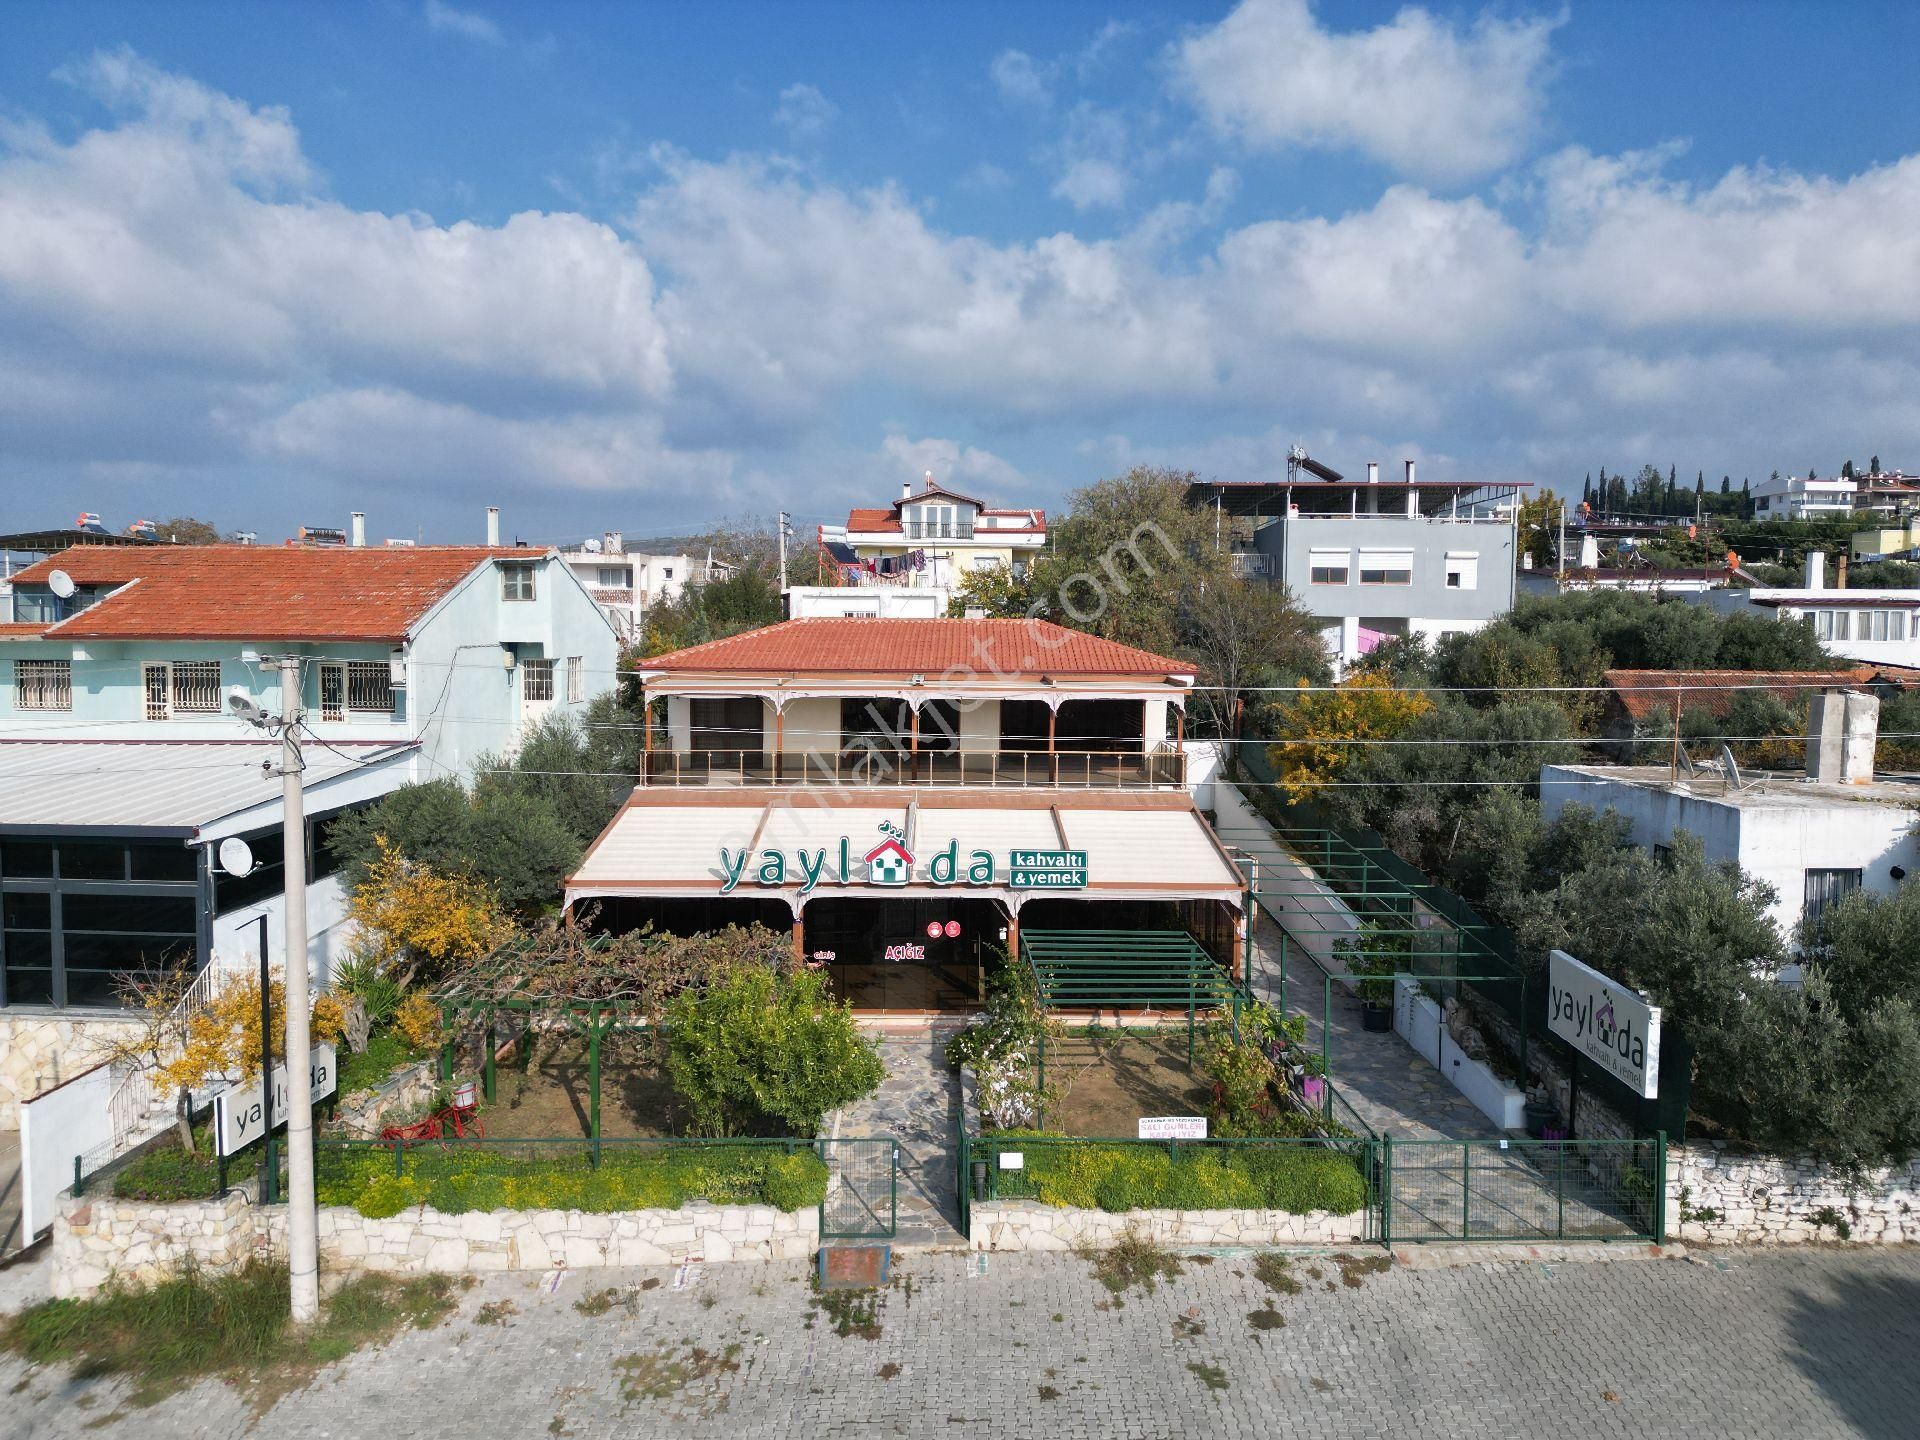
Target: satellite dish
x=236, y=856
x=61, y=583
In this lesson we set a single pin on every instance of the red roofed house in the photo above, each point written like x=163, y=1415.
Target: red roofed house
x=1004, y=781
x=124, y=764
x=925, y=541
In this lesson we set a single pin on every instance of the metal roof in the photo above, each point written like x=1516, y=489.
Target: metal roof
x=175, y=788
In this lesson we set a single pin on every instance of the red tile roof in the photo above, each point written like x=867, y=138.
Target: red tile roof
x=1646, y=693
x=867, y=521
x=259, y=592
x=868, y=646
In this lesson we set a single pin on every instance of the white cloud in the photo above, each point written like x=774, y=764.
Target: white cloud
x=1019, y=79
x=804, y=112
x=464, y=23
x=1093, y=156
x=953, y=463
x=1432, y=100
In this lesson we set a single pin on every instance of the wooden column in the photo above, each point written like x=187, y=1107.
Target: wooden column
x=913, y=751
x=1013, y=935
x=799, y=941
x=646, y=736
x=779, y=738
x=1053, y=758
x=1179, y=725
x=1239, y=955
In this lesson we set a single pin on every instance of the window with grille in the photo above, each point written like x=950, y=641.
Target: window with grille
x=196, y=686
x=333, y=693
x=1826, y=888
x=153, y=683
x=516, y=582
x=536, y=679
x=370, y=686
x=43, y=684
x=576, y=680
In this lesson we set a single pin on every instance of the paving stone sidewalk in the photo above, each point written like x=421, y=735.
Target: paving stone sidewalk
x=918, y=1104
x=1812, y=1344
x=1396, y=1090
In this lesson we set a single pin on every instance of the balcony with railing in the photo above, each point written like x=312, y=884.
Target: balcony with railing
x=864, y=764
x=955, y=529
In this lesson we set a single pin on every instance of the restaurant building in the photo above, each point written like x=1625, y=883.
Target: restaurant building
x=910, y=797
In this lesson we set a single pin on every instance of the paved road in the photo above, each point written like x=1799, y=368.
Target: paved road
x=1809, y=1345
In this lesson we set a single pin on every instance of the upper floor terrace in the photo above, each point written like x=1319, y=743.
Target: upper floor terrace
x=865, y=702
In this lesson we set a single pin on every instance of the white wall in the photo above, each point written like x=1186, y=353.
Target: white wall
x=812, y=727
x=463, y=701
x=74, y=1119
x=980, y=727
x=236, y=936
x=1774, y=838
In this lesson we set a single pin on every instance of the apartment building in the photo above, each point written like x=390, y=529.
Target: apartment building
x=626, y=583
x=1375, y=558
x=930, y=539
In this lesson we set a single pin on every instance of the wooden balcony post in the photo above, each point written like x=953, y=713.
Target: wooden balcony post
x=646, y=736
x=779, y=741
x=799, y=940
x=1053, y=756
x=913, y=752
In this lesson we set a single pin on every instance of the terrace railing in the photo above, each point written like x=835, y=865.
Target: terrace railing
x=1161, y=768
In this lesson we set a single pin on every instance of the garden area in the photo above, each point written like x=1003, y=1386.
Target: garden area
x=1073, y=1119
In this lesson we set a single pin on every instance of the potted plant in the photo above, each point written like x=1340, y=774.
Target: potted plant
x=1376, y=994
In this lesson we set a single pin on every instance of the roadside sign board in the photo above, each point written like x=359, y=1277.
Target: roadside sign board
x=1612, y=1026
x=1048, y=869
x=1173, y=1127
x=239, y=1118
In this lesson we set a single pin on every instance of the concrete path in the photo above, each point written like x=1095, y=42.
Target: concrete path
x=1811, y=1344
x=918, y=1104
x=11, y=1238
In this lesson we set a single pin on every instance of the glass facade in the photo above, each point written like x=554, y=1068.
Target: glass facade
x=78, y=916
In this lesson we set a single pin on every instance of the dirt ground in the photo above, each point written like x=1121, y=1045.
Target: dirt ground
x=551, y=1098
x=1114, y=1079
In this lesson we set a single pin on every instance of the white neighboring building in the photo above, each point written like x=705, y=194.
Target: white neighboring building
x=1812, y=840
x=1789, y=497
x=1881, y=627
x=884, y=602
x=624, y=583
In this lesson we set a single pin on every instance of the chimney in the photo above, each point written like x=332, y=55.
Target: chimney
x=493, y=524
x=1373, y=472
x=613, y=543
x=1409, y=472
x=1816, y=570
x=358, y=536
x=1842, y=729
x=1840, y=570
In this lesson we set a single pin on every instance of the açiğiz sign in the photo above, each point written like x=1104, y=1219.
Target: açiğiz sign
x=1609, y=1024
x=891, y=863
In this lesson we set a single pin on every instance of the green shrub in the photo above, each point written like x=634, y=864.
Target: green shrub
x=166, y=1174
x=1118, y=1178
x=386, y=1052
x=763, y=1050
x=456, y=1179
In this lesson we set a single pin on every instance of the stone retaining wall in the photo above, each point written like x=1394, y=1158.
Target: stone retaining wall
x=99, y=1238
x=363, y=1115
x=1030, y=1225
x=1723, y=1198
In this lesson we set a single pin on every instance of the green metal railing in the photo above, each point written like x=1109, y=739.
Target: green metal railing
x=1523, y=1190
x=863, y=1188
x=1135, y=969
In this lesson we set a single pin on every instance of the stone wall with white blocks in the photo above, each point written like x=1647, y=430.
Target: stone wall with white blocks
x=1718, y=1197
x=38, y=1052
x=1030, y=1225
x=99, y=1238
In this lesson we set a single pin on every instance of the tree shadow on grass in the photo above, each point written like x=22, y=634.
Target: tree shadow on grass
x=1860, y=1346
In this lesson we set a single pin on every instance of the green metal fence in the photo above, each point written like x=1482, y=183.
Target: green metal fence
x=1134, y=969
x=1005, y=1167
x=1525, y=1190
x=863, y=1188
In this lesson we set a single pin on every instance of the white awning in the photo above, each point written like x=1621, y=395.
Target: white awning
x=672, y=844
x=196, y=791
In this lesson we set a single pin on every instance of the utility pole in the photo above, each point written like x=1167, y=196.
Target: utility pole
x=303, y=1248
x=785, y=528
x=1562, y=549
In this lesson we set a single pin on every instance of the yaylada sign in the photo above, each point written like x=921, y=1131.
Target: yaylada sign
x=891, y=863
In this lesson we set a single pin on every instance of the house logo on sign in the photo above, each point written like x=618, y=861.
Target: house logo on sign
x=889, y=862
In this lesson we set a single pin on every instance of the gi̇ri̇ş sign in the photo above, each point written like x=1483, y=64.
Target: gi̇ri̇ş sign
x=891, y=863
x=1606, y=1022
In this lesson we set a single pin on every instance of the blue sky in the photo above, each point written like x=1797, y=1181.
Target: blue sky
x=653, y=266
